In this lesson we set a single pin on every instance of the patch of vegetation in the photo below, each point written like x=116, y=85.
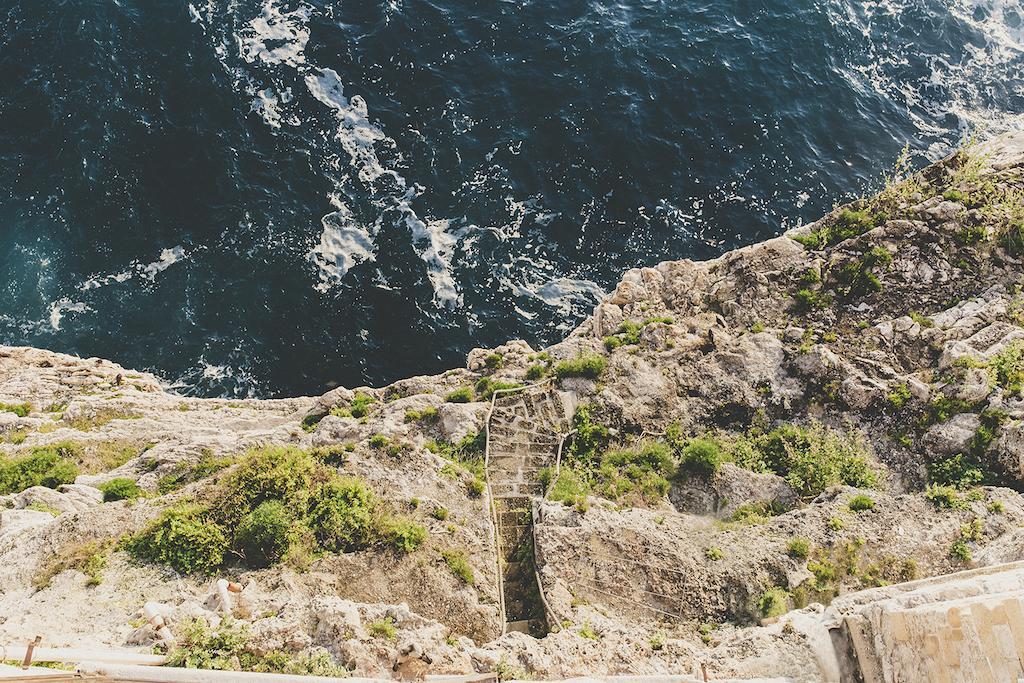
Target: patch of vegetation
x=845, y=225
x=43, y=507
x=944, y=498
x=812, y=299
x=44, y=466
x=588, y=366
x=957, y=471
x=536, y=372
x=19, y=409
x=358, y=407
x=798, y=548
x=628, y=332
x=587, y=631
x=279, y=504
x=440, y=513
x=383, y=628
x=183, y=539
x=810, y=458
x=773, y=602
x=14, y=436
x=713, y=553
x=861, y=503
x=569, y=488
x=460, y=395
x=459, y=565
x=100, y=418
x=494, y=361
x=120, y=488
x=427, y=416
x=960, y=551
x=228, y=647
x=754, y=513
x=921, y=319
x=639, y=473
x=487, y=386
x=857, y=278
x=899, y=397
x=88, y=557
x=996, y=507
x=702, y=457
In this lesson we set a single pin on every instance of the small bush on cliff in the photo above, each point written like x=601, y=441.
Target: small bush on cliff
x=799, y=548
x=403, y=534
x=588, y=366
x=773, y=602
x=342, y=515
x=228, y=648
x=264, y=535
x=702, y=457
x=120, y=488
x=19, y=409
x=635, y=473
x=810, y=458
x=460, y=395
x=184, y=538
x=459, y=565
x=861, y=503
x=41, y=467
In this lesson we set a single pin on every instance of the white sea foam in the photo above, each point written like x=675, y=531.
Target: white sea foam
x=344, y=242
x=60, y=307
x=276, y=37
x=146, y=271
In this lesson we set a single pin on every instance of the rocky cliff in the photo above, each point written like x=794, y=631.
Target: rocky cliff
x=835, y=409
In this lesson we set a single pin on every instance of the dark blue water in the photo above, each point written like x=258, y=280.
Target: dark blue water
x=274, y=197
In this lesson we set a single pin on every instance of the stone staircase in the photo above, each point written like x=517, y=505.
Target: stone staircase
x=524, y=431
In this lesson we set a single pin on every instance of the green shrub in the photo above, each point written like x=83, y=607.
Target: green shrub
x=43, y=466
x=810, y=459
x=702, y=457
x=379, y=442
x=403, y=534
x=754, y=513
x=425, y=416
x=960, y=551
x=335, y=456
x=184, y=539
x=440, y=514
x=589, y=366
x=590, y=440
x=810, y=299
x=19, y=409
x=283, y=473
x=857, y=278
x=536, y=372
x=486, y=387
x=899, y=396
x=494, y=361
x=959, y=471
x=636, y=472
x=773, y=602
x=228, y=648
x=996, y=507
x=459, y=565
x=861, y=503
x=569, y=488
x=944, y=497
x=342, y=515
x=475, y=487
x=836, y=523
x=799, y=548
x=120, y=488
x=1008, y=366
x=713, y=553
x=382, y=628
x=264, y=535
x=361, y=404
x=460, y=395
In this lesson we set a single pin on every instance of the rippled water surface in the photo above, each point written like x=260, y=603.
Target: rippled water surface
x=274, y=197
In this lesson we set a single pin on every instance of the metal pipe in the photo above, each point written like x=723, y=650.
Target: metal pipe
x=165, y=674
x=72, y=655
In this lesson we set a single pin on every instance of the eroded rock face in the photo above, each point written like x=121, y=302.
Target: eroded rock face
x=901, y=333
